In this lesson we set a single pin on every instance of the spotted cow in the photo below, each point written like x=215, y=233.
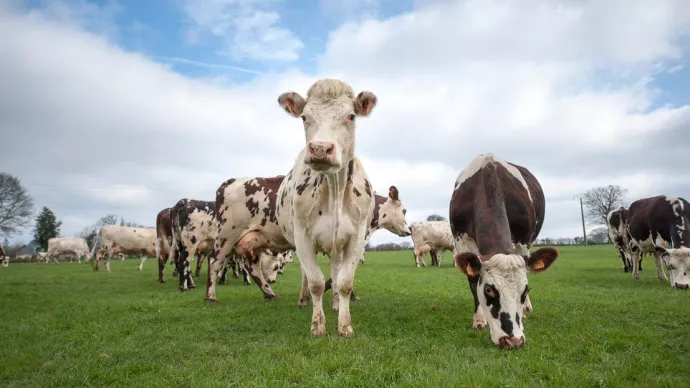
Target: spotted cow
x=193, y=229
x=496, y=213
x=324, y=204
x=68, y=247
x=431, y=236
x=4, y=259
x=617, y=221
x=389, y=213
x=116, y=239
x=661, y=226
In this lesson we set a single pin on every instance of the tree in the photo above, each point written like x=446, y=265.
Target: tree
x=599, y=201
x=599, y=235
x=122, y=221
x=405, y=245
x=435, y=217
x=88, y=234
x=108, y=219
x=5, y=243
x=47, y=227
x=16, y=205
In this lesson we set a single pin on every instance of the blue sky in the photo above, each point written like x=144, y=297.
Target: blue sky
x=582, y=93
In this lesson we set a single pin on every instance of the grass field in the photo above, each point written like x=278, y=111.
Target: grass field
x=64, y=325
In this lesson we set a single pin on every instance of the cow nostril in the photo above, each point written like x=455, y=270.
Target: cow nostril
x=506, y=342
x=329, y=149
x=682, y=286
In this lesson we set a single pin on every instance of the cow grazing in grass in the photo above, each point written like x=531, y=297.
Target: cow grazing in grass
x=324, y=204
x=431, y=236
x=123, y=239
x=4, y=259
x=193, y=229
x=68, y=247
x=496, y=213
x=389, y=213
x=661, y=226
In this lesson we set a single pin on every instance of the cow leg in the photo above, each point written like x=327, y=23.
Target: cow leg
x=329, y=283
x=439, y=257
x=478, y=320
x=253, y=266
x=245, y=277
x=182, y=264
x=335, y=264
x=315, y=281
x=199, y=262
x=234, y=269
x=107, y=262
x=223, y=274
x=141, y=262
x=434, y=258
x=161, y=268
x=659, y=267
x=304, y=294
x=345, y=283
x=635, y=253
x=216, y=261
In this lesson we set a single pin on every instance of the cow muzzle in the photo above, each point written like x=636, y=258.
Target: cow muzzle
x=681, y=286
x=320, y=154
x=506, y=342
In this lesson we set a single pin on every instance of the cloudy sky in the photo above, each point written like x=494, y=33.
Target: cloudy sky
x=126, y=106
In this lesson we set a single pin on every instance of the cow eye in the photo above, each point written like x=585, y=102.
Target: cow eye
x=304, y=118
x=488, y=290
x=351, y=117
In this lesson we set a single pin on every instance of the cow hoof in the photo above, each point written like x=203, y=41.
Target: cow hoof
x=355, y=298
x=318, y=330
x=271, y=298
x=210, y=300
x=302, y=303
x=346, y=331
x=161, y=281
x=479, y=325
x=636, y=277
x=335, y=309
x=221, y=282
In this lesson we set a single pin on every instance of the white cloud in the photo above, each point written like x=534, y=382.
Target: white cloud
x=250, y=29
x=562, y=88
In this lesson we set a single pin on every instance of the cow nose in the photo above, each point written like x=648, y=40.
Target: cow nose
x=272, y=281
x=320, y=149
x=682, y=286
x=506, y=342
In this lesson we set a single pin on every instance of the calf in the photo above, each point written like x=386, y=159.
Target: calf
x=324, y=204
x=123, y=239
x=431, y=236
x=496, y=213
x=660, y=225
x=72, y=247
x=193, y=228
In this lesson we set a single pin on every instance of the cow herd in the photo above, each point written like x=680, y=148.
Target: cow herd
x=326, y=204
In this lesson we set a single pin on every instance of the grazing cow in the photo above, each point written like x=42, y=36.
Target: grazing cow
x=4, y=259
x=72, y=247
x=431, y=236
x=24, y=256
x=389, y=213
x=193, y=225
x=661, y=226
x=123, y=239
x=284, y=258
x=496, y=213
x=42, y=257
x=324, y=204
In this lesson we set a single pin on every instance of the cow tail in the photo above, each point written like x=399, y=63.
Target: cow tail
x=96, y=241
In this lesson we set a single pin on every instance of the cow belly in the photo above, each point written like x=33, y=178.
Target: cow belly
x=323, y=232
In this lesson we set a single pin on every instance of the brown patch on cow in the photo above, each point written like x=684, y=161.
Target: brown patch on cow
x=220, y=193
x=367, y=187
x=350, y=170
x=357, y=193
x=302, y=186
x=379, y=200
x=252, y=206
x=164, y=228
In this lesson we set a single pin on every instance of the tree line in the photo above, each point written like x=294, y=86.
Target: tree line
x=17, y=213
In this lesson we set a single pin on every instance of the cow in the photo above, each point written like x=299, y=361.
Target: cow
x=496, y=213
x=431, y=236
x=324, y=204
x=661, y=226
x=42, y=257
x=617, y=221
x=4, y=259
x=72, y=247
x=24, y=256
x=284, y=258
x=123, y=239
x=389, y=213
x=193, y=229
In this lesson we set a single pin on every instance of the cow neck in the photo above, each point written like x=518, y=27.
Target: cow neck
x=379, y=200
x=492, y=228
x=336, y=193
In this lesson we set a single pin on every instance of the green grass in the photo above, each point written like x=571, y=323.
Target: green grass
x=64, y=325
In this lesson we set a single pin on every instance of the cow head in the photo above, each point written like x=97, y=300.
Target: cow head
x=329, y=114
x=270, y=265
x=502, y=289
x=392, y=214
x=678, y=263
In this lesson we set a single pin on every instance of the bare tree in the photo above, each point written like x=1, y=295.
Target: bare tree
x=435, y=217
x=108, y=219
x=599, y=201
x=599, y=235
x=405, y=245
x=16, y=205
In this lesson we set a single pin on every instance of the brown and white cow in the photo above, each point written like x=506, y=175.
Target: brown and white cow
x=4, y=259
x=324, y=204
x=660, y=225
x=68, y=247
x=496, y=213
x=389, y=213
x=431, y=236
x=193, y=228
x=116, y=239
x=617, y=221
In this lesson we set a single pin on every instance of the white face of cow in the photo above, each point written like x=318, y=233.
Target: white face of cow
x=392, y=214
x=502, y=290
x=270, y=265
x=678, y=264
x=329, y=114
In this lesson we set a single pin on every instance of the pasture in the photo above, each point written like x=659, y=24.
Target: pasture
x=64, y=325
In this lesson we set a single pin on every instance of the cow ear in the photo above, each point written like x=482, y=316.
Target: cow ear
x=364, y=103
x=541, y=259
x=393, y=193
x=292, y=102
x=469, y=263
x=660, y=251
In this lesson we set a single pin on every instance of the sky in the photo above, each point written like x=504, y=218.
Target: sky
x=126, y=106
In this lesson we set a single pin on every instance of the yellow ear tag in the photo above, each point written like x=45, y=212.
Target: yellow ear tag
x=469, y=270
x=538, y=265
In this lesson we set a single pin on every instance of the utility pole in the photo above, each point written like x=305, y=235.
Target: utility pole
x=582, y=214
